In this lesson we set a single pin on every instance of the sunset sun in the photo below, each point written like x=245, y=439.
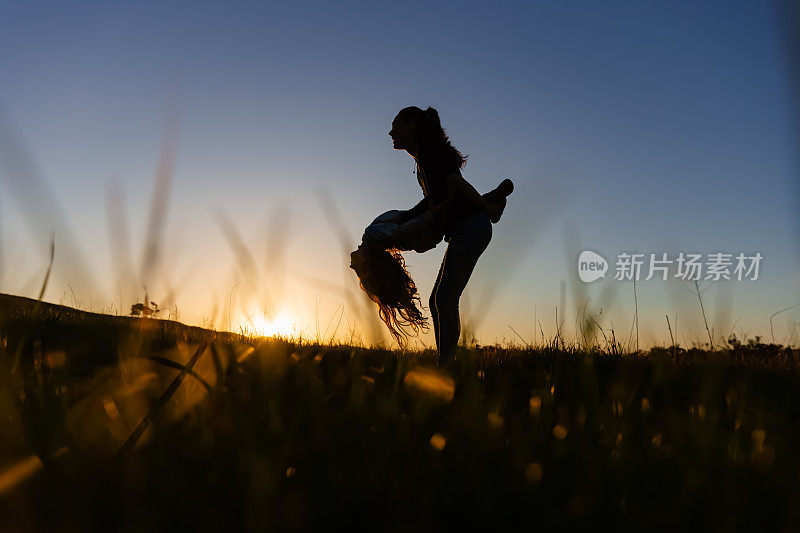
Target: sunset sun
x=261, y=324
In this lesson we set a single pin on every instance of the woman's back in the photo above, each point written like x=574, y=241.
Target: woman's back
x=434, y=163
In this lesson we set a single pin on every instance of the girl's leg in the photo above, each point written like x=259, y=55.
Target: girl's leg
x=467, y=244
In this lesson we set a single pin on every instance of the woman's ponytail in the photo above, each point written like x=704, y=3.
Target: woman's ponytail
x=432, y=116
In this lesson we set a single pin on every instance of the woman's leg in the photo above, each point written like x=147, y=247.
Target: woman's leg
x=432, y=304
x=467, y=243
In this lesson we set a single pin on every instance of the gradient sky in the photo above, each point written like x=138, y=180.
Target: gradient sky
x=657, y=127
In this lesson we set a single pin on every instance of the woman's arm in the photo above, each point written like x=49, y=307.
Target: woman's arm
x=456, y=184
x=414, y=212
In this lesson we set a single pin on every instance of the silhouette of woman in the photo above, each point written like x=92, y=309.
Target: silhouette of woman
x=451, y=209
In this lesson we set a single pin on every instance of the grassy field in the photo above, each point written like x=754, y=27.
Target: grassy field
x=103, y=426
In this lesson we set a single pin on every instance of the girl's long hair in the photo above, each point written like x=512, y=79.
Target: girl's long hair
x=388, y=284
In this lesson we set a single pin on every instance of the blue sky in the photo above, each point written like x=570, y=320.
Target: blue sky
x=661, y=127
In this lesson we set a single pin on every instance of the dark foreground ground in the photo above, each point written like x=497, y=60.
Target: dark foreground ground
x=272, y=436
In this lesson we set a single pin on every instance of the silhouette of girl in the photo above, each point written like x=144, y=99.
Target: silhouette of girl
x=451, y=209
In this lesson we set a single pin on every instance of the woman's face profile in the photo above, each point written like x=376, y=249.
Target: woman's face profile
x=402, y=132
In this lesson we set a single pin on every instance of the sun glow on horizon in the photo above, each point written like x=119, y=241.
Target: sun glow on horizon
x=260, y=324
